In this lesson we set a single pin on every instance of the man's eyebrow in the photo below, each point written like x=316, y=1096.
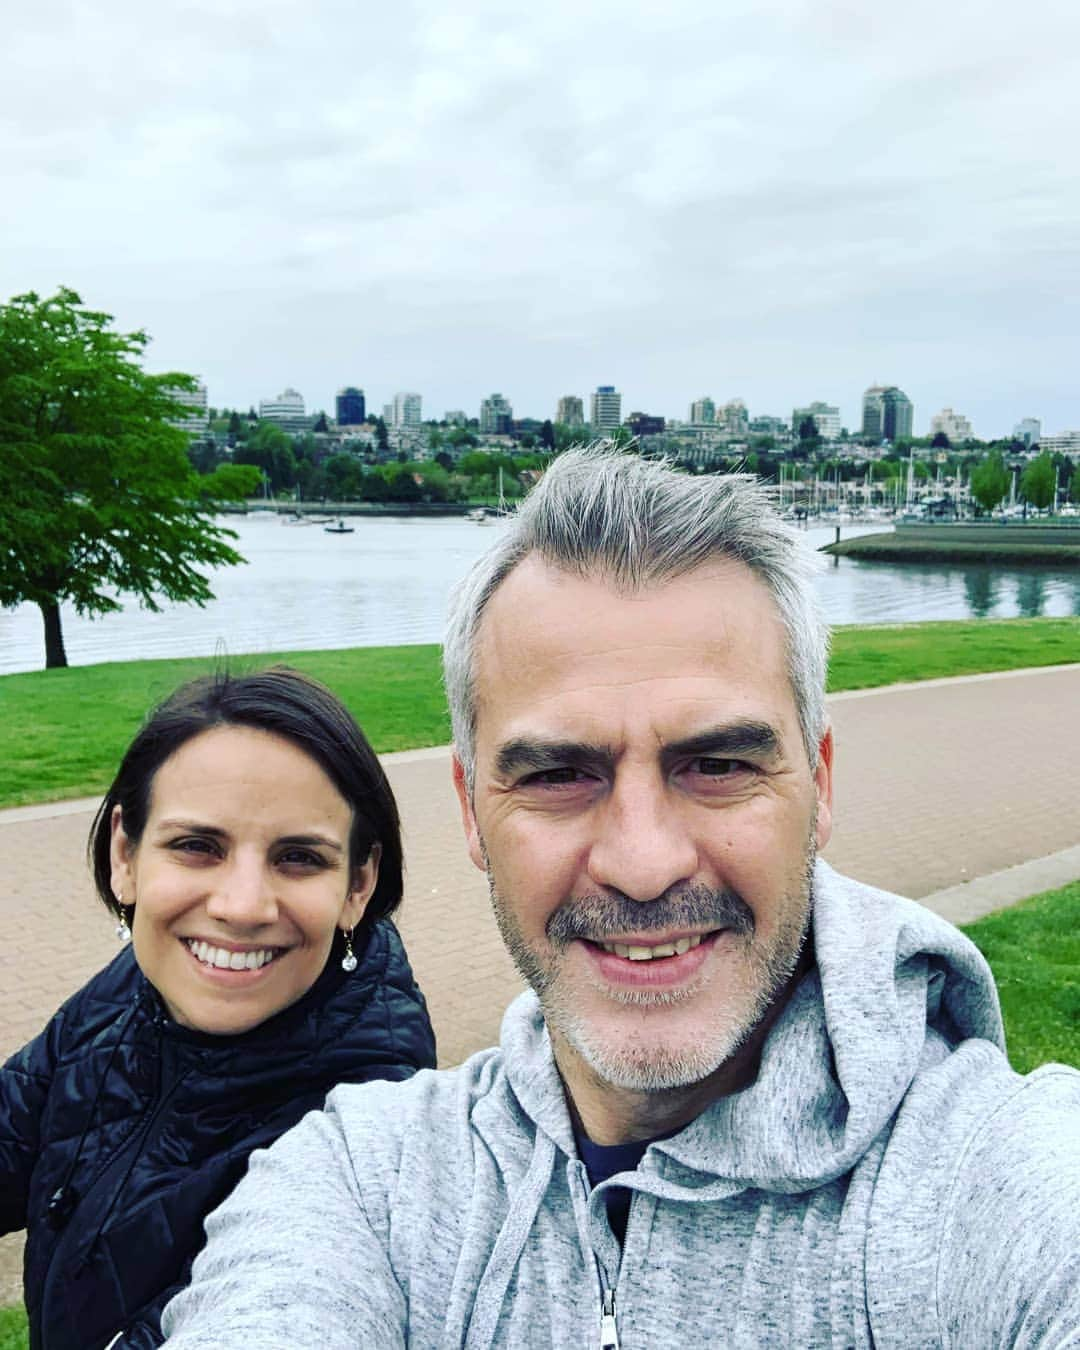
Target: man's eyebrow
x=534, y=755
x=730, y=741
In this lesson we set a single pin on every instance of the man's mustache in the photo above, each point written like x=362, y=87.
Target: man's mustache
x=603, y=918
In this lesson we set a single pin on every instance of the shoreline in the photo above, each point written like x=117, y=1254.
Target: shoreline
x=922, y=547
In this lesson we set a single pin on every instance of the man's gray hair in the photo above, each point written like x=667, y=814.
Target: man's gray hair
x=599, y=511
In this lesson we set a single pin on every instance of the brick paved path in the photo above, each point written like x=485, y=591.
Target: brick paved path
x=936, y=784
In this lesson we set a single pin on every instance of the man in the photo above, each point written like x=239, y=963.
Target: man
x=748, y=1101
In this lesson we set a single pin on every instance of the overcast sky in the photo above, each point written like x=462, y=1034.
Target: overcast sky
x=778, y=200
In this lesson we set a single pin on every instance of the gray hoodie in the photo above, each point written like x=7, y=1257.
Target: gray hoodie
x=887, y=1180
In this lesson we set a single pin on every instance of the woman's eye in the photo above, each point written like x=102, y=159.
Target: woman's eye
x=301, y=858
x=193, y=845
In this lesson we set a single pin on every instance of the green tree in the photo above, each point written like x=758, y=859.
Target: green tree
x=382, y=436
x=547, y=435
x=321, y=424
x=344, y=478
x=270, y=449
x=990, y=481
x=941, y=441
x=97, y=494
x=1039, y=481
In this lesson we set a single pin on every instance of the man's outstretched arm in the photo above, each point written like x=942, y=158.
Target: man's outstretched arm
x=291, y=1257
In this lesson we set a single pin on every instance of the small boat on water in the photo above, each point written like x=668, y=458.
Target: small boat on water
x=339, y=528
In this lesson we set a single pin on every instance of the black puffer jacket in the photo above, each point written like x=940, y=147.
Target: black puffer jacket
x=120, y=1131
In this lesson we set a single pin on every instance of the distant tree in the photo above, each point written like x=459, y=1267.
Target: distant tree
x=1039, y=481
x=382, y=436
x=344, y=478
x=1074, y=486
x=236, y=427
x=97, y=495
x=445, y=460
x=990, y=481
x=940, y=441
x=270, y=449
x=205, y=455
x=403, y=486
x=547, y=434
x=321, y=424
x=374, y=488
x=808, y=430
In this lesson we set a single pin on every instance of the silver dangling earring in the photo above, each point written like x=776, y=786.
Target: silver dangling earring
x=123, y=932
x=349, y=961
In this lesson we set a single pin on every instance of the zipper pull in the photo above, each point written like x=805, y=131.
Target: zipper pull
x=609, y=1335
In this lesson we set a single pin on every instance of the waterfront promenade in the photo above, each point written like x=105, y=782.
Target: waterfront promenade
x=963, y=793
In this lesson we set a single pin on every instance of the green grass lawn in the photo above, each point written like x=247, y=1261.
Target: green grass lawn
x=62, y=732
x=1034, y=951
x=13, y=1332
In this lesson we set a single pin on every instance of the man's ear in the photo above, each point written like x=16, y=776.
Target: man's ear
x=362, y=889
x=468, y=816
x=824, y=789
x=121, y=856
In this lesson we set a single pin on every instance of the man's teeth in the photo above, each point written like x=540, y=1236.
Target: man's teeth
x=651, y=953
x=226, y=960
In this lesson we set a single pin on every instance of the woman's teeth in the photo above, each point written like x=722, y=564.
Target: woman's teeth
x=226, y=960
x=651, y=953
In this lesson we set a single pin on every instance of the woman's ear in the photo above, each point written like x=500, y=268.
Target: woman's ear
x=361, y=889
x=121, y=860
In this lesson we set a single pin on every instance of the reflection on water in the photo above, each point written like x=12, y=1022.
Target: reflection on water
x=981, y=589
x=1031, y=594
x=389, y=582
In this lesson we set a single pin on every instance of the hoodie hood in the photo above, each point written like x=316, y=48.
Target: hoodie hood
x=894, y=987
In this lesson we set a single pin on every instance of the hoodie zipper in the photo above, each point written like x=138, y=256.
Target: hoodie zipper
x=609, y=1333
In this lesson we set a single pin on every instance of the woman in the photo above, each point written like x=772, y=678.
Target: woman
x=250, y=848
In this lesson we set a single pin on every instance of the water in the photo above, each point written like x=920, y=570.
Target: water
x=388, y=584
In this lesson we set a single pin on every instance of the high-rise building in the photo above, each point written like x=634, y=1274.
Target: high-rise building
x=406, y=410
x=702, y=412
x=496, y=416
x=286, y=411
x=897, y=414
x=289, y=403
x=1062, y=443
x=570, y=411
x=351, y=407
x=645, y=424
x=887, y=413
x=952, y=424
x=826, y=419
x=197, y=420
x=733, y=418
x=605, y=410
x=1028, y=430
x=873, y=414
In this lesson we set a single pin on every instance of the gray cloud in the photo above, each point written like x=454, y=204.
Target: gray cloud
x=784, y=201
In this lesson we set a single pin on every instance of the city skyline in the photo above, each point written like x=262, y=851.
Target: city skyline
x=782, y=203
x=496, y=412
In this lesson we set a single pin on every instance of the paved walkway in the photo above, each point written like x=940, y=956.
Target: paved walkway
x=963, y=793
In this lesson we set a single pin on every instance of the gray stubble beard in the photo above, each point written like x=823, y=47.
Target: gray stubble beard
x=634, y=1063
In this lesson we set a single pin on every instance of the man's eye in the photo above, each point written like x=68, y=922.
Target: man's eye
x=554, y=777
x=711, y=767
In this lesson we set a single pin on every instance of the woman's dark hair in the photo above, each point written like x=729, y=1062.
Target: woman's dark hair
x=287, y=704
